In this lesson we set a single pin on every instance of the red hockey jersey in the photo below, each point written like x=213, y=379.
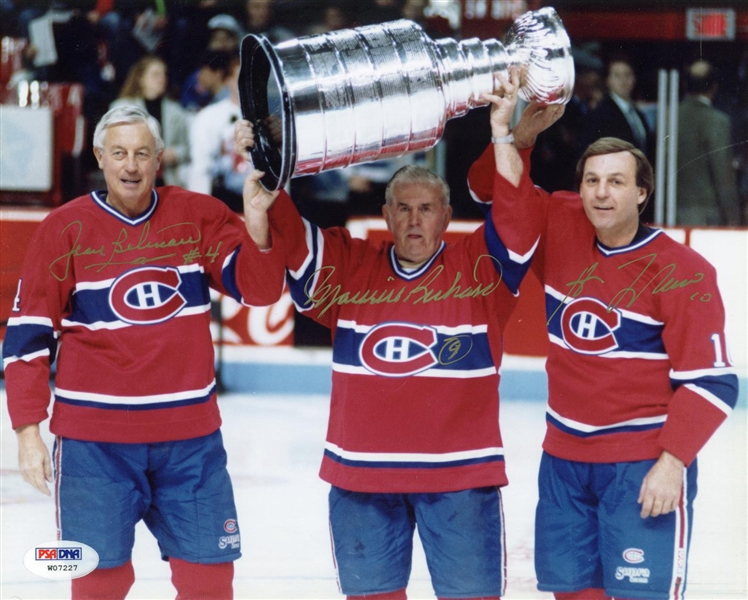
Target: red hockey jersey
x=128, y=302
x=416, y=354
x=637, y=361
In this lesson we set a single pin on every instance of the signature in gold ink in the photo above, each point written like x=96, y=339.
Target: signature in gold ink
x=60, y=267
x=190, y=235
x=452, y=349
x=666, y=283
x=328, y=295
x=662, y=281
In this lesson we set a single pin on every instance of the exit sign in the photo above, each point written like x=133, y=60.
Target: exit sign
x=710, y=24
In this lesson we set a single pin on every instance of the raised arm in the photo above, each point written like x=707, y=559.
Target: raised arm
x=499, y=181
x=257, y=200
x=535, y=119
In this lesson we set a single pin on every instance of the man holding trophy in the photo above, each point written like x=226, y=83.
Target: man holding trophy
x=413, y=437
x=618, y=473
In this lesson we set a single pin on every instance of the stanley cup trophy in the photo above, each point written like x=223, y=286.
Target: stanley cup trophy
x=357, y=95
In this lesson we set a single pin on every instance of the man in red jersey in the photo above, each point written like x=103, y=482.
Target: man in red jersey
x=119, y=280
x=413, y=438
x=638, y=372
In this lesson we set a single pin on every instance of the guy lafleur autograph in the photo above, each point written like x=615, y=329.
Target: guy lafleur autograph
x=660, y=282
x=328, y=295
x=114, y=252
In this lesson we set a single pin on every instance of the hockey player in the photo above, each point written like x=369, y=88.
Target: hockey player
x=638, y=373
x=118, y=280
x=413, y=436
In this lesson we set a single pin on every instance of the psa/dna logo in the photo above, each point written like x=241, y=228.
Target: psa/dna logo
x=59, y=553
x=399, y=349
x=61, y=559
x=147, y=295
x=588, y=326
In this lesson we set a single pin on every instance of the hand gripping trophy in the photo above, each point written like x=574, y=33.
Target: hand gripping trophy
x=357, y=95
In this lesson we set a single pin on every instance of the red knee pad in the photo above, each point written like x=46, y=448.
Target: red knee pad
x=587, y=594
x=202, y=582
x=104, y=584
x=396, y=595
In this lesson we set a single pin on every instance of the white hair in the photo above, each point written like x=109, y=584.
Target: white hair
x=123, y=115
x=420, y=175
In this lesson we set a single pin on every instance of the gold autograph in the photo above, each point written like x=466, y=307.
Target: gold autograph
x=328, y=295
x=190, y=236
x=453, y=346
x=666, y=283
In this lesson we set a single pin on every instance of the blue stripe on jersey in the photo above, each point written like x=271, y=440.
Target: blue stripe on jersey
x=384, y=464
x=630, y=336
x=92, y=305
x=512, y=272
x=228, y=277
x=723, y=387
x=301, y=286
x=603, y=430
x=22, y=339
x=466, y=351
x=129, y=406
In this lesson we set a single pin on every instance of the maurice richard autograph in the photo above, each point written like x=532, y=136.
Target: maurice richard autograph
x=327, y=295
x=168, y=239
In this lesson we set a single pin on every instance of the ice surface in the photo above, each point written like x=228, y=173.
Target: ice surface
x=275, y=446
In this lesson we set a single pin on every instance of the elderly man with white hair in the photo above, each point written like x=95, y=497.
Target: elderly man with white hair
x=118, y=280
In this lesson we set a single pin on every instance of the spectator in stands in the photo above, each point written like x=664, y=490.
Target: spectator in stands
x=225, y=33
x=707, y=189
x=80, y=49
x=333, y=17
x=260, y=19
x=216, y=169
x=618, y=116
x=146, y=86
x=208, y=83
x=559, y=147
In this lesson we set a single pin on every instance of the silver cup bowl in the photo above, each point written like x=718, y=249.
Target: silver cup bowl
x=357, y=95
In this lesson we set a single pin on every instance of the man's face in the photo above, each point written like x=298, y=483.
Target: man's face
x=209, y=80
x=611, y=197
x=417, y=219
x=130, y=162
x=621, y=80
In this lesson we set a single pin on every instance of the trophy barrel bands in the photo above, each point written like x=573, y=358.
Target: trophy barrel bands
x=356, y=95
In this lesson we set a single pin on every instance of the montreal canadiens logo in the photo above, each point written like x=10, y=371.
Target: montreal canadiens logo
x=230, y=526
x=588, y=326
x=147, y=295
x=399, y=349
x=633, y=555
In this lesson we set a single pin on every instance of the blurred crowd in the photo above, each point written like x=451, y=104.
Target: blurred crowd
x=180, y=61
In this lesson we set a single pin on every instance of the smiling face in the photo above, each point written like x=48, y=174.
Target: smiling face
x=611, y=197
x=130, y=162
x=417, y=218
